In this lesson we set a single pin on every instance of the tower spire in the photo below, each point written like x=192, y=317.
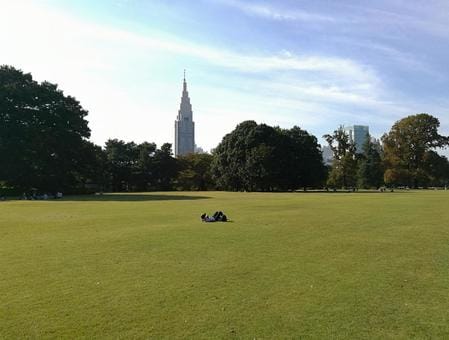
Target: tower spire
x=184, y=125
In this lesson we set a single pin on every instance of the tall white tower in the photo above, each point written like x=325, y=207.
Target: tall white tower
x=184, y=125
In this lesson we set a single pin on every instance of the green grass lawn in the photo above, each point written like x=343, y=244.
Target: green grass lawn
x=359, y=265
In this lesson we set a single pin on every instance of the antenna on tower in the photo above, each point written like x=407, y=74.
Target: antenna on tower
x=184, y=74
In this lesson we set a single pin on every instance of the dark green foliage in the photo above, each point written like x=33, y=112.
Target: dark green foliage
x=121, y=160
x=142, y=173
x=436, y=168
x=165, y=169
x=370, y=167
x=262, y=158
x=407, y=147
x=304, y=164
x=344, y=166
x=93, y=176
x=196, y=172
x=44, y=146
x=42, y=134
x=139, y=167
x=228, y=167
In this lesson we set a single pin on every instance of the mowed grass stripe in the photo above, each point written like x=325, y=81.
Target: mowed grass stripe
x=288, y=265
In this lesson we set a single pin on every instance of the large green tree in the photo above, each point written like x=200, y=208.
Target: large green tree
x=122, y=158
x=344, y=166
x=437, y=169
x=165, y=168
x=139, y=167
x=43, y=134
x=406, y=149
x=229, y=163
x=370, y=166
x=263, y=158
x=143, y=166
x=195, y=172
x=94, y=176
x=304, y=160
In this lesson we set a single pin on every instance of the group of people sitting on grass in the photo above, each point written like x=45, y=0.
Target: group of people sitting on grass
x=37, y=196
x=218, y=216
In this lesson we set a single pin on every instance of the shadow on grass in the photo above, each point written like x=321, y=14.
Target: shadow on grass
x=130, y=198
x=341, y=191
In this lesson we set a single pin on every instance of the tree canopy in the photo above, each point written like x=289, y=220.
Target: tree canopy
x=258, y=157
x=407, y=147
x=44, y=147
x=344, y=166
x=43, y=134
x=370, y=168
x=195, y=172
x=139, y=167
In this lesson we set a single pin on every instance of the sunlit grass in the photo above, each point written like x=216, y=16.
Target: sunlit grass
x=287, y=265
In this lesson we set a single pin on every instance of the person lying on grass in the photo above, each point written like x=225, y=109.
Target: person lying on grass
x=218, y=216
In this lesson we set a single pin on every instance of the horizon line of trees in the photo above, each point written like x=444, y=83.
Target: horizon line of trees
x=406, y=157
x=44, y=147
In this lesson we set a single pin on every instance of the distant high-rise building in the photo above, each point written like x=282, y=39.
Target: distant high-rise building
x=357, y=134
x=184, y=125
x=328, y=155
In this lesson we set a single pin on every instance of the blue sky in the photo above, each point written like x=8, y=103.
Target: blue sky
x=315, y=64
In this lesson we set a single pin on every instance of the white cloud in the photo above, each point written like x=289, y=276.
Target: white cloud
x=90, y=61
x=50, y=32
x=269, y=12
x=401, y=19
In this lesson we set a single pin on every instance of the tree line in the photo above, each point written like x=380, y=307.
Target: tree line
x=45, y=147
x=405, y=157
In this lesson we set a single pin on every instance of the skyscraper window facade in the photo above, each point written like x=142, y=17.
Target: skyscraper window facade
x=358, y=134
